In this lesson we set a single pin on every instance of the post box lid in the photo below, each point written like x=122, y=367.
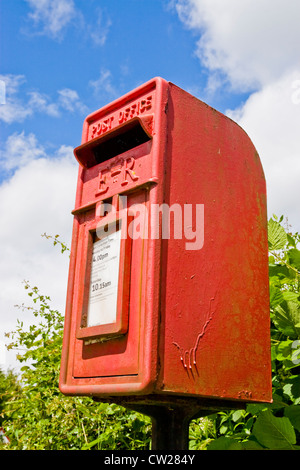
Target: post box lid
x=127, y=135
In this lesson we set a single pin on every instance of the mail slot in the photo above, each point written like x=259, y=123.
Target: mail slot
x=168, y=280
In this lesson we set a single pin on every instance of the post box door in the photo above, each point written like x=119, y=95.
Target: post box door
x=104, y=348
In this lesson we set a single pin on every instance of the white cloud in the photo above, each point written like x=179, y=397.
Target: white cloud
x=52, y=16
x=250, y=42
x=38, y=198
x=272, y=120
x=99, y=31
x=40, y=102
x=18, y=106
x=19, y=150
x=69, y=100
x=13, y=109
x=254, y=46
x=103, y=85
x=2, y=92
x=13, y=83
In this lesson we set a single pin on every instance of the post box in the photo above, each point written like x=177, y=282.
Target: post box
x=168, y=281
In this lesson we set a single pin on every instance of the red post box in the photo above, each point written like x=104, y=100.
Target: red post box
x=168, y=283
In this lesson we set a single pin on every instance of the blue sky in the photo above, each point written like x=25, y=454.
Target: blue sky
x=62, y=59
x=105, y=49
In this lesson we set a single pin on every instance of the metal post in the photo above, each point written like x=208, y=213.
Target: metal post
x=170, y=423
x=170, y=429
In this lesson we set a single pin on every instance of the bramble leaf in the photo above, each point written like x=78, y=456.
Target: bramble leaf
x=277, y=237
x=274, y=433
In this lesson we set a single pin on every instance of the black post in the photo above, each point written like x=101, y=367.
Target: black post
x=170, y=429
x=170, y=423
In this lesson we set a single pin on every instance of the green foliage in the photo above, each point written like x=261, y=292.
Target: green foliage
x=57, y=241
x=9, y=388
x=202, y=431
x=36, y=415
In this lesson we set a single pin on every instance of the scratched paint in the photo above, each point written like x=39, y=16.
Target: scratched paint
x=188, y=356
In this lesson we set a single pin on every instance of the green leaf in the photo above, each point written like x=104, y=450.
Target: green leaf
x=276, y=296
x=89, y=445
x=293, y=413
x=290, y=296
x=292, y=389
x=295, y=355
x=274, y=433
x=279, y=270
x=284, y=350
x=255, y=408
x=238, y=414
x=291, y=240
x=225, y=443
x=284, y=353
x=294, y=258
x=251, y=445
x=286, y=318
x=277, y=237
x=278, y=402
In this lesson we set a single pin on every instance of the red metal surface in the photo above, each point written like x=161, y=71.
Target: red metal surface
x=197, y=320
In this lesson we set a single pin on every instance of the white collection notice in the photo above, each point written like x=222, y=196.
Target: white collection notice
x=102, y=305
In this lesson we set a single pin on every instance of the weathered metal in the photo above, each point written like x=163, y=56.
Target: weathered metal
x=192, y=299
